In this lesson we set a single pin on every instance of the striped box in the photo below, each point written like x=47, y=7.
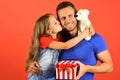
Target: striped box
x=66, y=70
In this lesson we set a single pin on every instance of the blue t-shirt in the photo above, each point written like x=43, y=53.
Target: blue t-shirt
x=85, y=51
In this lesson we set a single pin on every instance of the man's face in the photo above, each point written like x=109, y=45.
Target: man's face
x=67, y=18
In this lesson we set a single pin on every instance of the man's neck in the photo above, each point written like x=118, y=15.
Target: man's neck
x=74, y=32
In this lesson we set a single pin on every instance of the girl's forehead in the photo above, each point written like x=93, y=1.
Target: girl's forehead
x=52, y=18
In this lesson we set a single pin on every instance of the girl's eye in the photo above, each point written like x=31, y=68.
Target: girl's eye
x=55, y=23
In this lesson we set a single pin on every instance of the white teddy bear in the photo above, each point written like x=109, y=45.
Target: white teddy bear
x=82, y=16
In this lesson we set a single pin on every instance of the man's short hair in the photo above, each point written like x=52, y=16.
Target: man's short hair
x=64, y=4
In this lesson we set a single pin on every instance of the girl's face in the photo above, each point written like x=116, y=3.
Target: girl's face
x=54, y=26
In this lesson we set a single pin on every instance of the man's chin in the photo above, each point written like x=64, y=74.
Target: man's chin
x=71, y=29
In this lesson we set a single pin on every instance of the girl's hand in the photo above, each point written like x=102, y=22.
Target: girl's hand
x=85, y=33
x=91, y=30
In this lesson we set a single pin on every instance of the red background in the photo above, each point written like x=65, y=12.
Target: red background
x=17, y=19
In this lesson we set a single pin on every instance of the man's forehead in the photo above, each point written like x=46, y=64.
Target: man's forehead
x=66, y=11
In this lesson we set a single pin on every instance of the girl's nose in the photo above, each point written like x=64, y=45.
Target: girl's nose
x=58, y=22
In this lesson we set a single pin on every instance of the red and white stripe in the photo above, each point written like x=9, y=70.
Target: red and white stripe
x=66, y=70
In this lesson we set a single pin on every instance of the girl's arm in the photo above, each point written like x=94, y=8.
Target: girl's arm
x=70, y=43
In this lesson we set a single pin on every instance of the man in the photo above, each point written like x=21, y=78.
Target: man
x=85, y=52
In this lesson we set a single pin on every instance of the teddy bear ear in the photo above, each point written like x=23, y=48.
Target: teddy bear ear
x=86, y=11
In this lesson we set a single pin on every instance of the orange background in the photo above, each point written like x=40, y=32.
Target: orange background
x=17, y=19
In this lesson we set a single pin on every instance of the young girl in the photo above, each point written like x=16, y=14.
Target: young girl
x=46, y=46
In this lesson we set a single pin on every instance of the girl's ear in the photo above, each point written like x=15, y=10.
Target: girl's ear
x=49, y=31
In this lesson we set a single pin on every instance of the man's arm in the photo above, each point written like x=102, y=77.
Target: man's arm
x=34, y=68
x=106, y=63
x=105, y=66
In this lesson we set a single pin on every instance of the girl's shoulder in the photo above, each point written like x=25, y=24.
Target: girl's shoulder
x=47, y=38
x=45, y=41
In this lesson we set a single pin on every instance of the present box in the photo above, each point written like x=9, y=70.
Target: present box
x=66, y=70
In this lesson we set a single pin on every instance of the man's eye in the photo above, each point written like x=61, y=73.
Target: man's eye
x=63, y=18
x=70, y=15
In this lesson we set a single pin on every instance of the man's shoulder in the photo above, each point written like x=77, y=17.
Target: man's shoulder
x=96, y=36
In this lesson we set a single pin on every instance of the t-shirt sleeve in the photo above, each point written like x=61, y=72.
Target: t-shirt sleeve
x=99, y=44
x=45, y=41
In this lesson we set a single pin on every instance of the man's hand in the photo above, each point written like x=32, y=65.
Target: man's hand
x=82, y=70
x=34, y=68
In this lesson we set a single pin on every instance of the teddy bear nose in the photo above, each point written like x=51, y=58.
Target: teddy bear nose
x=76, y=15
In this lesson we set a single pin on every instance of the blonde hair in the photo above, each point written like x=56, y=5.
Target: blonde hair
x=40, y=29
